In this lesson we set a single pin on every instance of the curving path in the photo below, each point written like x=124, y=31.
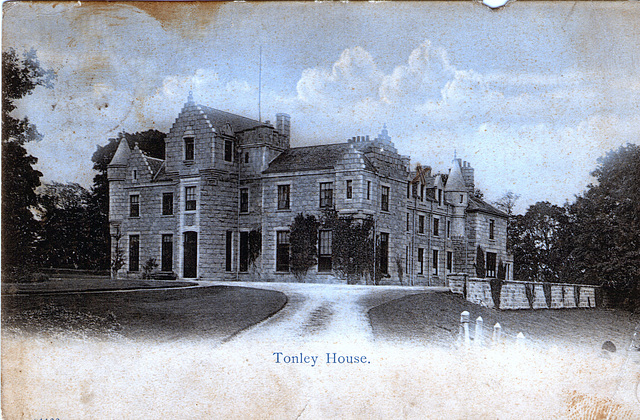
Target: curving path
x=322, y=313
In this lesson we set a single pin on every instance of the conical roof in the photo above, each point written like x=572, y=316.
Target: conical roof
x=455, y=182
x=121, y=156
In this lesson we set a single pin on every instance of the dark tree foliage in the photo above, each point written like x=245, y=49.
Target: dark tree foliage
x=303, y=238
x=151, y=142
x=20, y=76
x=537, y=243
x=352, y=247
x=603, y=238
x=64, y=226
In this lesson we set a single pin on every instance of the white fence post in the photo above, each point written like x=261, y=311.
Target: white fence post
x=497, y=333
x=464, y=329
x=478, y=338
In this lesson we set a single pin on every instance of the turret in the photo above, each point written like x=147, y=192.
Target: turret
x=457, y=193
x=117, y=174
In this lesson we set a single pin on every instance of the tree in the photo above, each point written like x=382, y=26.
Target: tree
x=603, y=237
x=20, y=76
x=536, y=242
x=303, y=238
x=150, y=142
x=507, y=204
x=64, y=226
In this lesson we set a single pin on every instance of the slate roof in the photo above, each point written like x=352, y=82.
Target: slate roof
x=219, y=118
x=154, y=163
x=161, y=175
x=476, y=204
x=310, y=158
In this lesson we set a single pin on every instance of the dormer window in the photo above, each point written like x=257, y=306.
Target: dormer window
x=189, y=148
x=134, y=174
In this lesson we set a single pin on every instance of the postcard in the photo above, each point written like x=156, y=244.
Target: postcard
x=320, y=210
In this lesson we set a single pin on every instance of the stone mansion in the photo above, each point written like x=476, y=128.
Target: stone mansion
x=226, y=177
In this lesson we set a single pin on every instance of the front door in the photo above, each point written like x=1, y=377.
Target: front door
x=190, y=254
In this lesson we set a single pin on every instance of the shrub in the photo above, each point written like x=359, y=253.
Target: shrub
x=148, y=268
x=481, y=270
x=530, y=290
x=303, y=238
x=546, y=287
x=399, y=268
x=22, y=275
x=496, y=290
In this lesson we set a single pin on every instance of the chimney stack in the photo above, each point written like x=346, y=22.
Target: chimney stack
x=467, y=175
x=283, y=124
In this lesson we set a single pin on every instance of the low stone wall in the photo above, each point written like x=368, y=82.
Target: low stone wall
x=525, y=295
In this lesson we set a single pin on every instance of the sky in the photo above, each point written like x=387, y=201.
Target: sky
x=530, y=94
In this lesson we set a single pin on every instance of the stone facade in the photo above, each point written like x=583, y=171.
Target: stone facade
x=227, y=180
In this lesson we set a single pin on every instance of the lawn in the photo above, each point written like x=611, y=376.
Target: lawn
x=216, y=312
x=434, y=318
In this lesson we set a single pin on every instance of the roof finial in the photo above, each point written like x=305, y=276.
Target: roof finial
x=190, y=97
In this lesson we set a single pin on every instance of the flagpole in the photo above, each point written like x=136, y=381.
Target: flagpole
x=260, y=88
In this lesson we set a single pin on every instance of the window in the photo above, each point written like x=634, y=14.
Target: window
x=244, y=200
x=421, y=192
x=420, y=261
x=228, y=248
x=134, y=252
x=384, y=202
x=246, y=157
x=167, y=253
x=492, y=229
x=461, y=198
x=167, y=204
x=134, y=174
x=368, y=190
x=349, y=189
x=325, y=248
x=284, y=197
x=282, y=251
x=435, y=262
x=408, y=222
x=449, y=261
x=189, y=148
x=326, y=194
x=448, y=228
x=409, y=189
x=384, y=253
x=491, y=264
x=436, y=227
x=228, y=151
x=439, y=197
x=190, y=202
x=134, y=206
x=244, y=251
x=421, y=224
